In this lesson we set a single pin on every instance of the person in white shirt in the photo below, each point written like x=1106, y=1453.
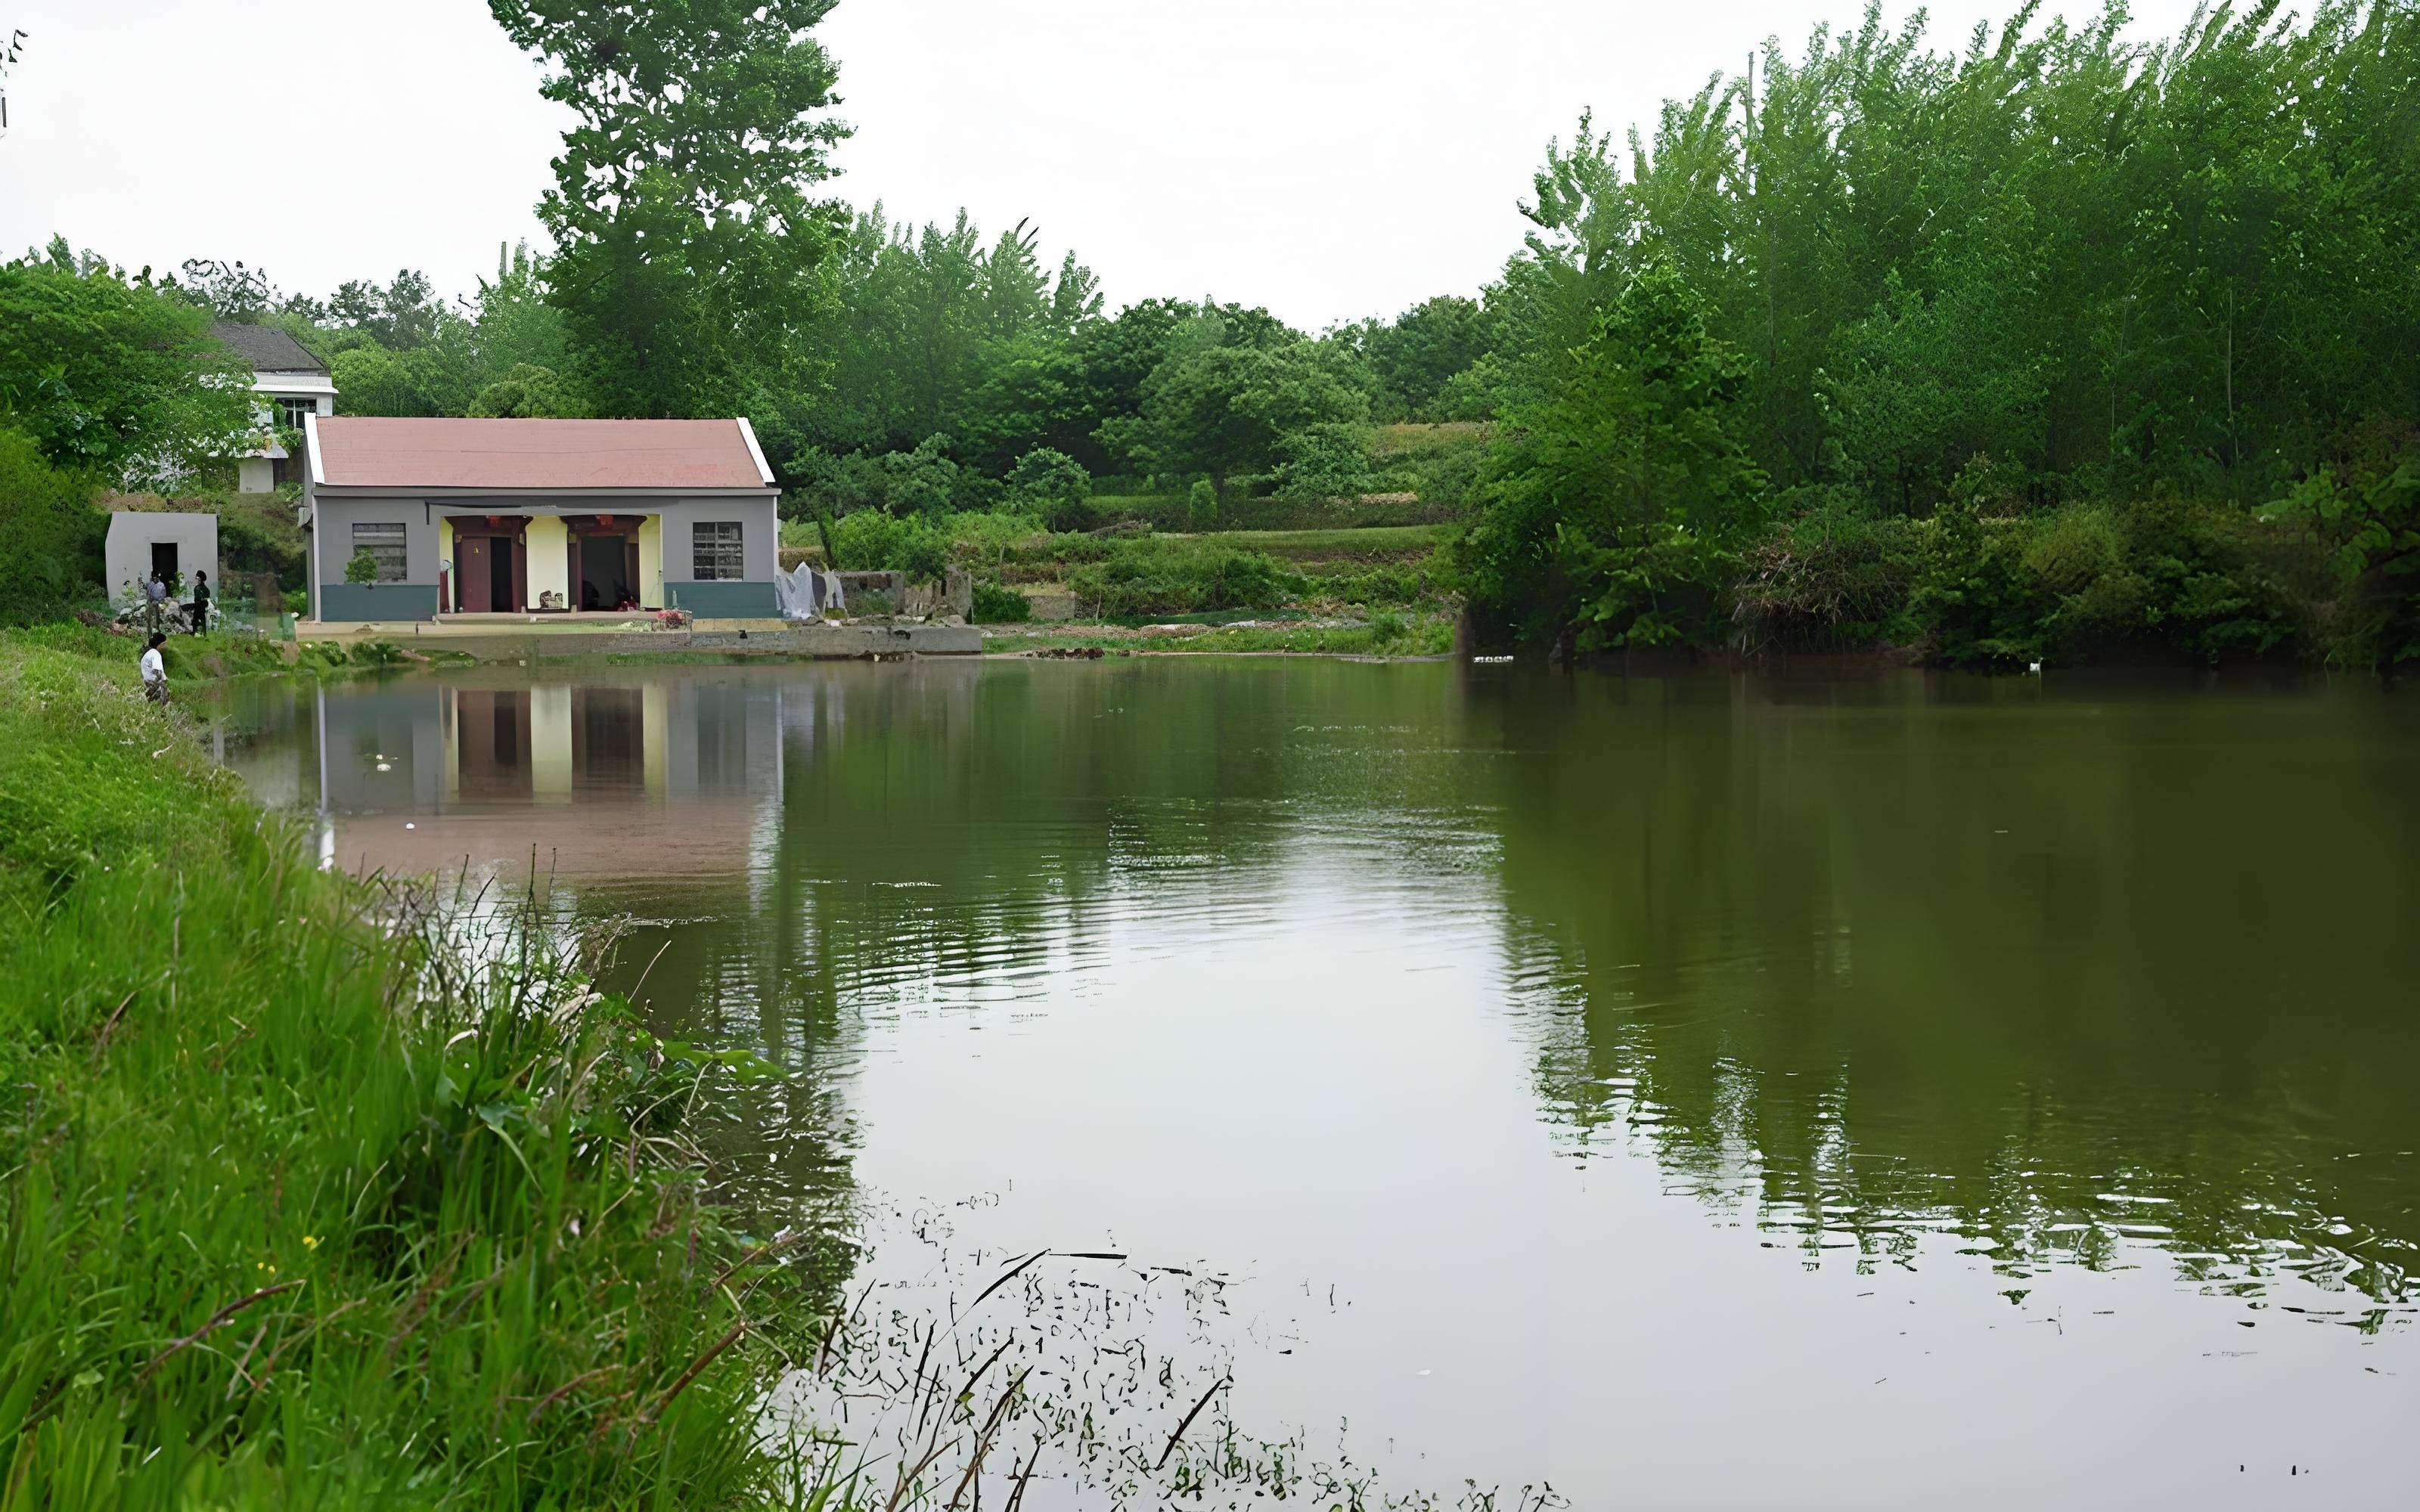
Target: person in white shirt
x=155, y=669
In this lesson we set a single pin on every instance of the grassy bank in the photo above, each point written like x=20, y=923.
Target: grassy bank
x=1149, y=572
x=302, y=1210
x=1385, y=635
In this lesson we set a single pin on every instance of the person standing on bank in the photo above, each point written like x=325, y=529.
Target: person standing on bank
x=155, y=593
x=155, y=669
x=201, y=601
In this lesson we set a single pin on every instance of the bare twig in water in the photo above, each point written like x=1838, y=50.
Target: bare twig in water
x=1016, y=1493
x=1222, y=1381
x=908, y=1475
x=651, y=965
x=1013, y=1274
x=983, y=1440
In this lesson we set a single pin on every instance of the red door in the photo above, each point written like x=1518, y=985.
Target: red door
x=474, y=575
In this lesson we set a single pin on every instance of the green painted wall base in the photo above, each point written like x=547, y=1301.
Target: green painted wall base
x=352, y=603
x=724, y=600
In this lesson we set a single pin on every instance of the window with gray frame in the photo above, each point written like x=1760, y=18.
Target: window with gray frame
x=716, y=557
x=383, y=541
x=290, y=412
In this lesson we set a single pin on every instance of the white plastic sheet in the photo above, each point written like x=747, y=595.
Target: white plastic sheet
x=805, y=594
x=795, y=590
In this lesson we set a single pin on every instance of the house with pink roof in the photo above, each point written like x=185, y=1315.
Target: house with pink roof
x=459, y=519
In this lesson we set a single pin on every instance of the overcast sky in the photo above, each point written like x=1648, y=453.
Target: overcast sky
x=1328, y=159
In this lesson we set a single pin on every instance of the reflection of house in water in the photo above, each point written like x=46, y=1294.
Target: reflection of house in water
x=676, y=774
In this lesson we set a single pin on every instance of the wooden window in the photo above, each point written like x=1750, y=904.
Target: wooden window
x=383, y=541
x=716, y=557
x=290, y=412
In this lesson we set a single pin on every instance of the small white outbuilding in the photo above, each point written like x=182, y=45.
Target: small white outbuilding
x=179, y=544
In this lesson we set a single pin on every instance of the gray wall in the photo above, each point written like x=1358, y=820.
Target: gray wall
x=760, y=538
x=127, y=552
x=331, y=546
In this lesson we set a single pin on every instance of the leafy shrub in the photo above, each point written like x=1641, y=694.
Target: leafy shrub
x=2199, y=579
x=1201, y=507
x=987, y=537
x=1070, y=515
x=1153, y=576
x=872, y=541
x=2369, y=527
x=52, y=534
x=2070, y=549
x=923, y=556
x=1328, y=460
x=1043, y=478
x=996, y=605
x=1837, y=576
x=923, y=482
x=1386, y=583
x=254, y=537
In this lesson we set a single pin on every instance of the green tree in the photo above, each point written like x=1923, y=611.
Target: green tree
x=516, y=324
x=1413, y=358
x=230, y=290
x=528, y=392
x=690, y=251
x=440, y=377
x=1921, y=387
x=1075, y=295
x=114, y=374
x=923, y=482
x=1016, y=290
x=1050, y=481
x=1221, y=410
x=1202, y=507
x=1617, y=512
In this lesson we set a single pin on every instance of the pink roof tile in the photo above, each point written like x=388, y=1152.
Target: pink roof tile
x=361, y=451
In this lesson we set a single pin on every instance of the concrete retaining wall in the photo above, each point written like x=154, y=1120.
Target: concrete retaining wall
x=839, y=642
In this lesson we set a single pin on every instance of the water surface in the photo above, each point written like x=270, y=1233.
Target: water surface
x=1684, y=1091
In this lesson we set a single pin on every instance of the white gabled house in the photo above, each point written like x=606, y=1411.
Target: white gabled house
x=292, y=385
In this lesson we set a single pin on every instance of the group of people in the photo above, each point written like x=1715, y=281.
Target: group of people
x=155, y=595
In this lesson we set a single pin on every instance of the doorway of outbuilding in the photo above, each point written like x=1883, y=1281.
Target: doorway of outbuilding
x=163, y=560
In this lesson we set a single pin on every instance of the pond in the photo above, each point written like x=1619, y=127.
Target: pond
x=1681, y=1092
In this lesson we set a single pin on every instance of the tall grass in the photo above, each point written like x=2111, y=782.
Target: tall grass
x=297, y=1207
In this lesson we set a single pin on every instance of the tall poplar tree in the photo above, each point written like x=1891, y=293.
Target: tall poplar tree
x=689, y=244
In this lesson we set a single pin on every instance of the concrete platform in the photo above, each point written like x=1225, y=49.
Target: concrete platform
x=491, y=638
